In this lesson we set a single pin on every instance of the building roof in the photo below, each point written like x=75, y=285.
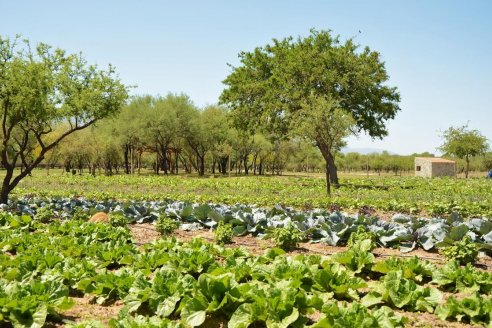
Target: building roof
x=435, y=159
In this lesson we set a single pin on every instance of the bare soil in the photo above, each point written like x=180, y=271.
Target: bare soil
x=146, y=233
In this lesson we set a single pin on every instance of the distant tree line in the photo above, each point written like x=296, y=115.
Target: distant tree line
x=170, y=135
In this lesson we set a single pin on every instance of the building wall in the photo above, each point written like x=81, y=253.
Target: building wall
x=425, y=168
x=431, y=169
x=443, y=169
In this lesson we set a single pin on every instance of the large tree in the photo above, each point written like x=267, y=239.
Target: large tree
x=464, y=143
x=316, y=87
x=40, y=89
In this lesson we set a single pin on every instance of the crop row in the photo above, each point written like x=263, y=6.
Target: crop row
x=172, y=284
x=333, y=228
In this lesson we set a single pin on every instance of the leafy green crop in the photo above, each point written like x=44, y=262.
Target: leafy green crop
x=160, y=295
x=356, y=315
x=168, y=283
x=463, y=251
x=118, y=220
x=357, y=258
x=335, y=278
x=44, y=214
x=400, y=292
x=288, y=237
x=411, y=268
x=223, y=234
x=474, y=309
x=165, y=225
x=453, y=277
x=28, y=303
x=361, y=234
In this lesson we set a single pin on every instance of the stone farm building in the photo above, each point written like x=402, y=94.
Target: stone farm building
x=430, y=167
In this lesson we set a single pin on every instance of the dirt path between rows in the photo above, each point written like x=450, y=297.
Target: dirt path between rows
x=146, y=233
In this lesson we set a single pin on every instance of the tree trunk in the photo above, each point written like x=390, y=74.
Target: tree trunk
x=467, y=166
x=4, y=193
x=328, y=185
x=201, y=167
x=164, y=163
x=333, y=171
x=127, y=163
x=246, y=168
x=176, y=155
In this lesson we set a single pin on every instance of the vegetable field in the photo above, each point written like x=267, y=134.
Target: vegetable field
x=54, y=263
x=185, y=262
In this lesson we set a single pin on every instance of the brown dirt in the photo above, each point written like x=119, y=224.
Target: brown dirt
x=86, y=309
x=145, y=233
x=424, y=320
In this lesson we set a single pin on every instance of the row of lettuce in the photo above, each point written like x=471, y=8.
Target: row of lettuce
x=429, y=197
x=334, y=228
x=167, y=283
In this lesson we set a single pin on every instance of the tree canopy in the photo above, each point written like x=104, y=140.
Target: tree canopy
x=464, y=143
x=317, y=87
x=42, y=88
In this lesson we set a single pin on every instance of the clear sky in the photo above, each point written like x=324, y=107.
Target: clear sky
x=438, y=53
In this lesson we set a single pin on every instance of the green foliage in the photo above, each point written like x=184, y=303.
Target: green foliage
x=159, y=295
x=29, y=302
x=356, y=315
x=360, y=235
x=358, y=257
x=168, y=283
x=165, y=225
x=118, y=219
x=336, y=279
x=42, y=89
x=125, y=320
x=466, y=279
x=44, y=214
x=475, y=309
x=463, y=251
x=287, y=237
x=441, y=196
x=324, y=103
x=464, y=143
x=223, y=233
x=80, y=214
x=402, y=293
x=412, y=268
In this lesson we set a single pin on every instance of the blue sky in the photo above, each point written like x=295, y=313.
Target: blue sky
x=438, y=53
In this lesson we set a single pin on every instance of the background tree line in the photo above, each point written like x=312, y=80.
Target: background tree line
x=170, y=135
